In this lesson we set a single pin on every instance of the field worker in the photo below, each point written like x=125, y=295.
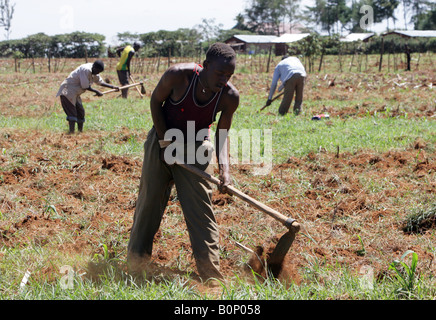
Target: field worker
x=123, y=66
x=186, y=92
x=79, y=81
x=292, y=75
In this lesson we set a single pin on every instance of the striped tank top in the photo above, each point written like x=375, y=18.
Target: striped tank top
x=177, y=114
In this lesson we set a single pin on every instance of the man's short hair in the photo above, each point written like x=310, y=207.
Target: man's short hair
x=98, y=64
x=220, y=49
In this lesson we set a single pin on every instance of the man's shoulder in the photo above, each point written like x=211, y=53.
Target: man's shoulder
x=180, y=70
x=83, y=69
x=231, y=90
x=183, y=67
x=230, y=96
x=86, y=66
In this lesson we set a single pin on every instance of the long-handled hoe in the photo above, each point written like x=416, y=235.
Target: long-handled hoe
x=276, y=258
x=140, y=92
x=127, y=86
x=273, y=99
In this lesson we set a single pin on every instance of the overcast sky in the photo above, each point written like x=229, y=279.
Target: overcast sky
x=109, y=17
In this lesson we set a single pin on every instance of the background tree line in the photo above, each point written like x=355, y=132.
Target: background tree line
x=71, y=45
x=335, y=16
x=260, y=17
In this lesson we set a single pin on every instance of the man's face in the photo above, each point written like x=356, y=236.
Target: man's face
x=96, y=70
x=219, y=72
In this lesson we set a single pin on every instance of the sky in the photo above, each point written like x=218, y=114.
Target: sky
x=110, y=17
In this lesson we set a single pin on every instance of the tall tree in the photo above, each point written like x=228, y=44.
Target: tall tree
x=316, y=15
x=266, y=16
x=240, y=22
x=406, y=6
x=292, y=11
x=6, y=14
x=208, y=29
x=426, y=20
x=330, y=14
x=419, y=9
x=384, y=10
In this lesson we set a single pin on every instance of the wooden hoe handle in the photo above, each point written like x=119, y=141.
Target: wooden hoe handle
x=286, y=221
x=277, y=96
x=124, y=87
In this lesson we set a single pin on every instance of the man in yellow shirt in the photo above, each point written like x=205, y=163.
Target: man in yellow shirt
x=123, y=66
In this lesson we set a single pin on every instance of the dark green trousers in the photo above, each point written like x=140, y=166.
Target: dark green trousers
x=195, y=195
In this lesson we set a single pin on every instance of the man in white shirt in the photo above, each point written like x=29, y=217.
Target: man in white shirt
x=79, y=81
x=292, y=75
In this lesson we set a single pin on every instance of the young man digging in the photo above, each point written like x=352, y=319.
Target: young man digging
x=79, y=81
x=184, y=104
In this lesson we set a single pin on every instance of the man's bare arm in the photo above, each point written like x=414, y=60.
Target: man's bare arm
x=230, y=103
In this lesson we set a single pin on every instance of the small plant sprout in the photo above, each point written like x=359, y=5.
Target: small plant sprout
x=361, y=252
x=406, y=275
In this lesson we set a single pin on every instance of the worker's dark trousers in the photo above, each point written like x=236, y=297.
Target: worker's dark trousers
x=295, y=84
x=195, y=195
x=123, y=77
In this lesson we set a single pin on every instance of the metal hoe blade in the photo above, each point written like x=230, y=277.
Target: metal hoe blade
x=275, y=260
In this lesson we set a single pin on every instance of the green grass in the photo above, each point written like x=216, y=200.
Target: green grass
x=323, y=281
x=292, y=136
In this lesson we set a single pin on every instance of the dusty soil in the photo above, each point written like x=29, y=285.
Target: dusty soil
x=90, y=199
x=56, y=193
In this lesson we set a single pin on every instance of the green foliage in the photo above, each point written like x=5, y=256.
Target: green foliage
x=182, y=42
x=427, y=20
x=266, y=16
x=405, y=274
x=330, y=14
x=421, y=219
x=309, y=47
x=72, y=45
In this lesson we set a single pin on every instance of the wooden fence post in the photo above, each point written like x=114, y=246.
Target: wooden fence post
x=381, y=54
x=269, y=59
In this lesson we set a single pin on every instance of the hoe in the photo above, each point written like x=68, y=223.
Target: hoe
x=128, y=86
x=275, y=260
x=273, y=99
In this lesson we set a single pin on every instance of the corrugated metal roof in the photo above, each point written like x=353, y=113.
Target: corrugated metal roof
x=414, y=33
x=357, y=36
x=255, y=38
x=290, y=37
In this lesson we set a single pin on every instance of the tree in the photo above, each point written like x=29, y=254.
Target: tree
x=310, y=47
x=406, y=5
x=427, y=20
x=330, y=13
x=127, y=37
x=384, y=10
x=208, y=30
x=422, y=13
x=266, y=16
x=182, y=42
x=292, y=11
x=6, y=14
x=240, y=23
